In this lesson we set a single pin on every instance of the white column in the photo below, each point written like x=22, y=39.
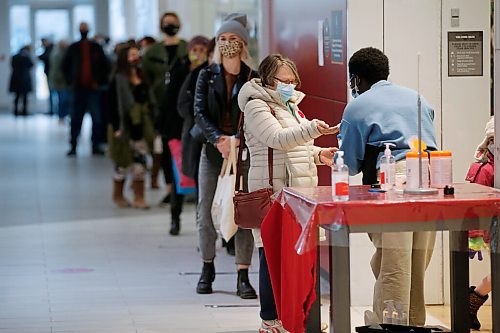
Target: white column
x=496, y=82
x=4, y=54
x=101, y=9
x=130, y=18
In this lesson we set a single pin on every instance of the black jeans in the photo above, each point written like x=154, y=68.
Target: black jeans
x=24, y=98
x=266, y=296
x=176, y=200
x=86, y=100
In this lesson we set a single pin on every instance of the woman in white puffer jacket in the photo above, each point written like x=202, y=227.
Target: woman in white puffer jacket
x=291, y=137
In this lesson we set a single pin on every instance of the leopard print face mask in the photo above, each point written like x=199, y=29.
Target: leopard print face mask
x=230, y=48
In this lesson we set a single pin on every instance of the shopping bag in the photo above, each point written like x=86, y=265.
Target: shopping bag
x=222, y=205
x=183, y=184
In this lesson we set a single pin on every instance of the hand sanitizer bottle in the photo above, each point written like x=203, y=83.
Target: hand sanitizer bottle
x=388, y=169
x=340, y=178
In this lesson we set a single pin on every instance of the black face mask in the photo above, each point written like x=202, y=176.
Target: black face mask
x=170, y=29
x=84, y=34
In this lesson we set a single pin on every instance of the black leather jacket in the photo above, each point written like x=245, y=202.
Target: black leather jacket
x=210, y=99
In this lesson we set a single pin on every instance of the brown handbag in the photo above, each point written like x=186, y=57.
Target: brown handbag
x=250, y=208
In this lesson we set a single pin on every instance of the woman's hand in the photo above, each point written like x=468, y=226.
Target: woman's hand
x=117, y=134
x=325, y=129
x=326, y=155
x=224, y=145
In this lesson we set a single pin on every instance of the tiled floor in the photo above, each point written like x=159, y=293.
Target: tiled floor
x=72, y=262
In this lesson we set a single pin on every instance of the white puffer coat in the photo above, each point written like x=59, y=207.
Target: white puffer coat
x=290, y=135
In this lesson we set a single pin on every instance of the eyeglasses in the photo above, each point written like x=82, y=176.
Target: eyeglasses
x=285, y=81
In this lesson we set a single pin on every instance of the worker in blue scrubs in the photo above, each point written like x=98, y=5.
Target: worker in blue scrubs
x=385, y=112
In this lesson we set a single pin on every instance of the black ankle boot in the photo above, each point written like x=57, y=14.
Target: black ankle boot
x=207, y=277
x=175, y=227
x=231, y=250
x=475, y=302
x=243, y=287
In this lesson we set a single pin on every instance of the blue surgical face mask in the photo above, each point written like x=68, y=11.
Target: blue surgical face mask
x=491, y=148
x=285, y=91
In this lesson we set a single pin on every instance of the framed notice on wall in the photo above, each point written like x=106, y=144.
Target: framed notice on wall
x=465, y=53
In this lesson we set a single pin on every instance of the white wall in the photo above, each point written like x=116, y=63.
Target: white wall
x=466, y=100
x=4, y=55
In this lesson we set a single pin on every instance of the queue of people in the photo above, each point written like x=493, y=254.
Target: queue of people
x=200, y=92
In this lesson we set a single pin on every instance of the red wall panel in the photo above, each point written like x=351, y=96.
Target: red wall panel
x=294, y=33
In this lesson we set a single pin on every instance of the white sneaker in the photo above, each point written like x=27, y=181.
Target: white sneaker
x=272, y=326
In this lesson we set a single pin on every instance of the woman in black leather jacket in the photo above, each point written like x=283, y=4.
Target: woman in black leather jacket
x=217, y=114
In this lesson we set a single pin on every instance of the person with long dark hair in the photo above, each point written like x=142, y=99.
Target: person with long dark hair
x=130, y=132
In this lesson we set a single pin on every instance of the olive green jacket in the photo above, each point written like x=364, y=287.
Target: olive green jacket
x=155, y=65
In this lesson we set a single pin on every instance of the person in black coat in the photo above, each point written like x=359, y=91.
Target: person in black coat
x=166, y=65
x=45, y=58
x=20, y=80
x=200, y=48
x=86, y=69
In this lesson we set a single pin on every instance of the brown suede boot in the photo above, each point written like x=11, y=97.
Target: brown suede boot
x=155, y=170
x=118, y=197
x=138, y=188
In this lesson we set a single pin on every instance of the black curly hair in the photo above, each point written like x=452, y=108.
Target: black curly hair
x=369, y=63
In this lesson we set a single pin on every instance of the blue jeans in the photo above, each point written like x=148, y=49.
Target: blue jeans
x=63, y=103
x=86, y=100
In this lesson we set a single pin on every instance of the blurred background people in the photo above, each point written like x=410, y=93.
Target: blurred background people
x=48, y=47
x=130, y=132
x=217, y=114
x=58, y=81
x=200, y=51
x=145, y=42
x=20, y=79
x=86, y=69
x=166, y=65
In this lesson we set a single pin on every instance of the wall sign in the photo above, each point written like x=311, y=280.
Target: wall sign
x=337, y=32
x=465, y=53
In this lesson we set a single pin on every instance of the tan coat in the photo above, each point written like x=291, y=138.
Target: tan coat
x=290, y=135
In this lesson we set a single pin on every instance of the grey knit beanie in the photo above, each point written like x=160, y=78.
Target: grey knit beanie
x=235, y=23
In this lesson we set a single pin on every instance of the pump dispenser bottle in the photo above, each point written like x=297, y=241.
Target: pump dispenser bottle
x=388, y=169
x=340, y=178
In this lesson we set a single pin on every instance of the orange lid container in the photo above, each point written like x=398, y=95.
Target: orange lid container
x=414, y=154
x=441, y=153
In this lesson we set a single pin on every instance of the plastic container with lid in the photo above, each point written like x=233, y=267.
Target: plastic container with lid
x=441, y=168
x=412, y=179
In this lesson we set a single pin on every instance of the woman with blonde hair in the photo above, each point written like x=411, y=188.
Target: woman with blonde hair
x=217, y=114
x=272, y=119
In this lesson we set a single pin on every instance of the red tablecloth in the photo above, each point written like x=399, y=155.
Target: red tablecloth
x=290, y=232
